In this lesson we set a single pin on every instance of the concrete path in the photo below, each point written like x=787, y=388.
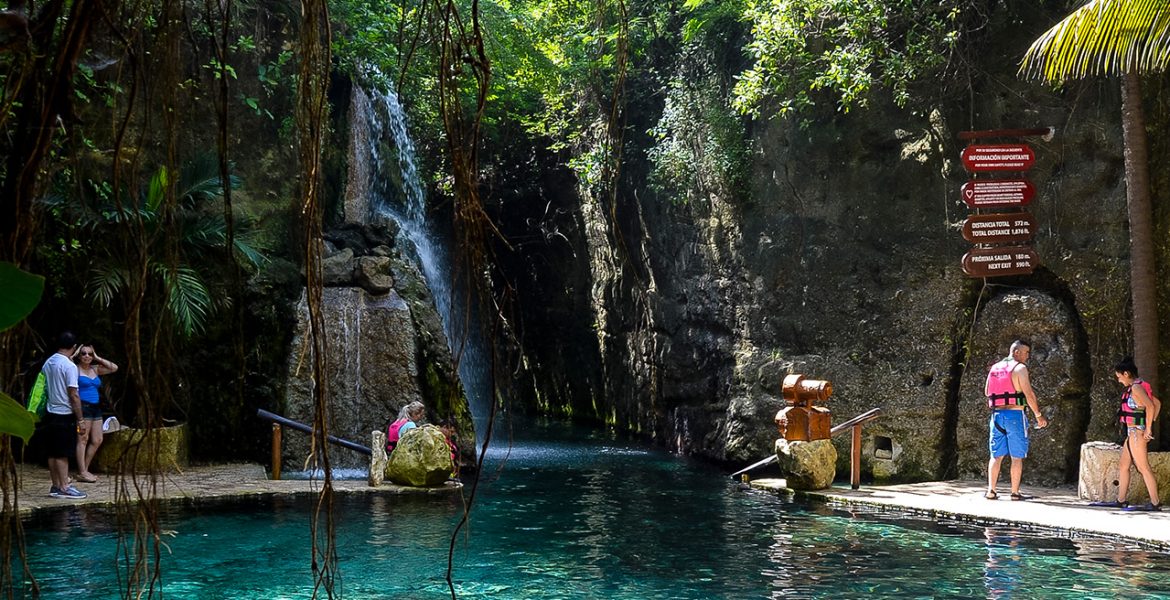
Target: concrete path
x=217, y=481
x=1055, y=508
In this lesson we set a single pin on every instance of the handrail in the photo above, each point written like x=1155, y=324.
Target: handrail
x=868, y=415
x=275, y=418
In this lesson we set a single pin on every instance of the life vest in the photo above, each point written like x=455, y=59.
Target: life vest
x=1001, y=392
x=392, y=433
x=1130, y=416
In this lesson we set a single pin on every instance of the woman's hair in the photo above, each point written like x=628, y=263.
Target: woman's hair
x=1126, y=365
x=413, y=407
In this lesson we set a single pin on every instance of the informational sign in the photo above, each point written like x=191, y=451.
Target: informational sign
x=1000, y=262
x=999, y=228
x=989, y=193
x=998, y=157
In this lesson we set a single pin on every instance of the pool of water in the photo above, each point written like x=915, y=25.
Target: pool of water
x=566, y=515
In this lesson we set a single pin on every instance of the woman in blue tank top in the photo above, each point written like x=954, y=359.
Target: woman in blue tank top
x=90, y=368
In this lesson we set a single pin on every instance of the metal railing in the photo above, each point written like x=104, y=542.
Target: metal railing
x=279, y=421
x=855, y=424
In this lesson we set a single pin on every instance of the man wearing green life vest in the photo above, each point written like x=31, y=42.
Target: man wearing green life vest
x=63, y=418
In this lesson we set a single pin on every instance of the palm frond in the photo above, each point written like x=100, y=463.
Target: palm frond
x=246, y=247
x=200, y=180
x=1102, y=38
x=106, y=280
x=187, y=298
x=157, y=190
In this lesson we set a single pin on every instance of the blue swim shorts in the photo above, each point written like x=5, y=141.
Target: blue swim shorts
x=1009, y=434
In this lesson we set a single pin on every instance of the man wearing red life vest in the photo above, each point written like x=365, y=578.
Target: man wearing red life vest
x=1009, y=392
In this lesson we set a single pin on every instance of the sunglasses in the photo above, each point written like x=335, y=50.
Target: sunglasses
x=86, y=354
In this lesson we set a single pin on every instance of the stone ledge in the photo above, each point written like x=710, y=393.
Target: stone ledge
x=1097, y=480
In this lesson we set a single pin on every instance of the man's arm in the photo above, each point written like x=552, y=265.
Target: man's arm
x=1024, y=384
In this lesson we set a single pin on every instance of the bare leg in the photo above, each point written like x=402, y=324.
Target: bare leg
x=1017, y=472
x=59, y=472
x=95, y=441
x=82, y=442
x=1123, y=465
x=993, y=472
x=1137, y=443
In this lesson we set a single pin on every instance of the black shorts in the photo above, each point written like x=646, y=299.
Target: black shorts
x=91, y=410
x=60, y=433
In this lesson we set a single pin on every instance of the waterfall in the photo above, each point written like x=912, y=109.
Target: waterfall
x=405, y=204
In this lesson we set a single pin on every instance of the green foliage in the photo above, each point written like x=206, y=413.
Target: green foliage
x=180, y=241
x=842, y=49
x=700, y=148
x=1103, y=37
x=21, y=294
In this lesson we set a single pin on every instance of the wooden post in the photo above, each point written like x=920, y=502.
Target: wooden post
x=855, y=457
x=276, y=450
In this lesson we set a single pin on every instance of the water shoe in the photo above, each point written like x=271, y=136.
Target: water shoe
x=1147, y=507
x=1110, y=504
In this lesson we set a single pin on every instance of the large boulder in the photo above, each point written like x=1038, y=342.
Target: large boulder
x=809, y=465
x=421, y=458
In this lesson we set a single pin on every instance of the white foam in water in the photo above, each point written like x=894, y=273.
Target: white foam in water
x=340, y=474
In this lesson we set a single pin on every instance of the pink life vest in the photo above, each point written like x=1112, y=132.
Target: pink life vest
x=392, y=433
x=1001, y=392
x=1134, y=416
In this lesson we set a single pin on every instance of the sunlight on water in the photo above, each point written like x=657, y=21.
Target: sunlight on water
x=587, y=517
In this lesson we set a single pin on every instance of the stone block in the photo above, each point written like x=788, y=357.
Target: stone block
x=1098, y=474
x=134, y=450
x=378, y=458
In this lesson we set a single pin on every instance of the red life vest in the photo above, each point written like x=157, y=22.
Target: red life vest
x=1001, y=392
x=1130, y=416
x=392, y=433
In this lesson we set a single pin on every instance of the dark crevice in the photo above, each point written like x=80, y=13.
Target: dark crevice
x=969, y=305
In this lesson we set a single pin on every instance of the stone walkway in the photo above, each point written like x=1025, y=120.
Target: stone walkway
x=1052, y=508
x=217, y=481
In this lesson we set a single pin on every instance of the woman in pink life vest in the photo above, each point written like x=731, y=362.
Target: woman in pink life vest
x=1139, y=408
x=407, y=419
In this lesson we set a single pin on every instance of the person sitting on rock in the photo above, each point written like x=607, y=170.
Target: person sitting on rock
x=407, y=419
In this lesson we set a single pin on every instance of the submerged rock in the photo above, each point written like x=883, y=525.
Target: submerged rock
x=421, y=458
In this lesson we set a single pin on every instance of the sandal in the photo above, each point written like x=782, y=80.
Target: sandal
x=1018, y=496
x=1147, y=507
x=991, y=495
x=1110, y=504
x=84, y=479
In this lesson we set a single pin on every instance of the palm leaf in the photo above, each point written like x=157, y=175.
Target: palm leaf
x=157, y=190
x=106, y=280
x=187, y=298
x=1103, y=38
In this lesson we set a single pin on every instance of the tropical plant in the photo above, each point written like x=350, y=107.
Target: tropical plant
x=22, y=293
x=840, y=49
x=1118, y=38
x=196, y=229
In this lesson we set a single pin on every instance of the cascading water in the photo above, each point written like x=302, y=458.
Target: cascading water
x=407, y=208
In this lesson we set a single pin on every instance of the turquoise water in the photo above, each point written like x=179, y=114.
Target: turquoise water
x=580, y=517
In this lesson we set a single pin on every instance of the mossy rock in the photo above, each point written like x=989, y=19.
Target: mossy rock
x=137, y=449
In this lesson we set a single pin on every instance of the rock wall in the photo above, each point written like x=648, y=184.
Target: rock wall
x=842, y=261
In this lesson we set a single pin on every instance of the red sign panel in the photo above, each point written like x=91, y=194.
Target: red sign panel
x=999, y=228
x=984, y=193
x=998, y=157
x=1000, y=262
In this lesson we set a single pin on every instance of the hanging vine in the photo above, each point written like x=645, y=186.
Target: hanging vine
x=312, y=110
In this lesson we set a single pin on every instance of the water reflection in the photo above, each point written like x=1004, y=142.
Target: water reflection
x=591, y=517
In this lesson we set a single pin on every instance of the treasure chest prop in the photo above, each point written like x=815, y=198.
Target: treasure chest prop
x=801, y=420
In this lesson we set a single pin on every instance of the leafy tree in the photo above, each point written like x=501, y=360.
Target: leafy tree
x=1118, y=38
x=196, y=229
x=840, y=48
